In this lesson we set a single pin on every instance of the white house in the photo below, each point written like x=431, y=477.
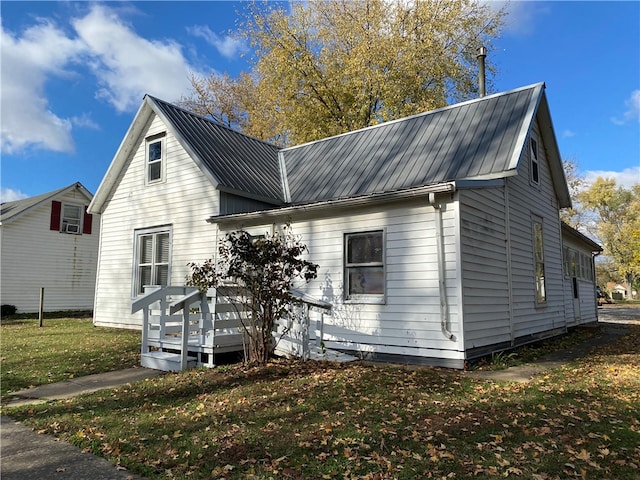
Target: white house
x=438, y=236
x=49, y=241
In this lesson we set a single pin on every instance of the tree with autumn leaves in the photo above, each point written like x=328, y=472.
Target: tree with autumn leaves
x=616, y=224
x=321, y=68
x=265, y=268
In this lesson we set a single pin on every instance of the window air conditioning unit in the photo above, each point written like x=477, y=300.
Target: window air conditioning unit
x=72, y=228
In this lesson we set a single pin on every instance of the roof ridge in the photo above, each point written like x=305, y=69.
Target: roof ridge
x=30, y=202
x=212, y=122
x=418, y=115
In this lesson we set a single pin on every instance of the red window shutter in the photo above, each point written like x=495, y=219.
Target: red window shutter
x=56, y=208
x=86, y=224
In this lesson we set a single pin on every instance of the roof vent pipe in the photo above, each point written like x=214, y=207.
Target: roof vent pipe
x=482, y=54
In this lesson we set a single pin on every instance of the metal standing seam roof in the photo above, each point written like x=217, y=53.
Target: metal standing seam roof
x=238, y=162
x=475, y=139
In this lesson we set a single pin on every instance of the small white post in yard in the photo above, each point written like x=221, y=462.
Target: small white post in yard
x=41, y=309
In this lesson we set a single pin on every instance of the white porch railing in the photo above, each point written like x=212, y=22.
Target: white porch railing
x=182, y=328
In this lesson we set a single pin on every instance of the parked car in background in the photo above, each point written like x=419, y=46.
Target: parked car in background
x=602, y=297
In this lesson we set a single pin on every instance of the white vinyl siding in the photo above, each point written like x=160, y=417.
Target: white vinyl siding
x=134, y=206
x=34, y=256
x=409, y=322
x=529, y=316
x=485, y=278
x=578, y=264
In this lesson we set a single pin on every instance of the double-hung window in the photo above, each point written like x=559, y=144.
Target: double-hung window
x=71, y=218
x=155, y=158
x=364, y=277
x=153, y=253
x=538, y=258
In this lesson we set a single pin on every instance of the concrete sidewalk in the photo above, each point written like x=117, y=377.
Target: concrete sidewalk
x=27, y=455
x=525, y=373
x=76, y=386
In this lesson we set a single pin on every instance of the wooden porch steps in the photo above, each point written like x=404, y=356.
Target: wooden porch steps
x=166, y=361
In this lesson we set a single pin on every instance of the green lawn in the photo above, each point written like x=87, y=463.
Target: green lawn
x=319, y=420
x=62, y=348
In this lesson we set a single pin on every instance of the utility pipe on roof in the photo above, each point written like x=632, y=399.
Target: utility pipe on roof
x=442, y=284
x=482, y=54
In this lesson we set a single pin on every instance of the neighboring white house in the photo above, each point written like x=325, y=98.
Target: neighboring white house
x=49, y=241
x=438, y=236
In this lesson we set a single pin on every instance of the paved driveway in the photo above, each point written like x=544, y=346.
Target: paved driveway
x=619, y=314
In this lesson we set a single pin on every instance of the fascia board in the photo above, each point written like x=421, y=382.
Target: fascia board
x=527, y=124
x=130, y=141
x=332, y=205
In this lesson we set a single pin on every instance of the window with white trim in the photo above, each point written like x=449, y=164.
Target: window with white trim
x=152, y=259
x=155, y=158
x=538, y=258
x=535, y=165
x=364, y=273
x=71, y=219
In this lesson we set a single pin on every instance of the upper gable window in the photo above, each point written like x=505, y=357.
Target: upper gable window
x=535, y=166
x=71, y=218
x=155, y=158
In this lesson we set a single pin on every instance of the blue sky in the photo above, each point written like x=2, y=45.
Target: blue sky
x=75, y=73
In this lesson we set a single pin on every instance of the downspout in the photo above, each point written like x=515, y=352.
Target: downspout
x=442, y=285
x=507, y=221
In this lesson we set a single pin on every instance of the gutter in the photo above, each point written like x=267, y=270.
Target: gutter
x=330, y=205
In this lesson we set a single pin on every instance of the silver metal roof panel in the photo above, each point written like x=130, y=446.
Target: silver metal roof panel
x=475, y=139
x=238, y=162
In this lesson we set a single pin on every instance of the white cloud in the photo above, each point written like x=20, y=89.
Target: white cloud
x=522, y=16
x=126, y=65
x=568, y=134
x=227, y=46
x=85, y=121
x=27, y=61
x=633, y=109
x=9, y=195
x=626, y=178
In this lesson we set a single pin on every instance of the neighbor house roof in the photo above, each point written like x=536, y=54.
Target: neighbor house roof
x=476, y=140
x=9, y=211
x=482, y=139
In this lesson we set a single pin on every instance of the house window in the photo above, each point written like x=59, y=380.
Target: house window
x=155, y=156
x=71, y=219
x=68, y=218
x=153, y=251
x=364, y=267
x=538, y=255
x=535, y=170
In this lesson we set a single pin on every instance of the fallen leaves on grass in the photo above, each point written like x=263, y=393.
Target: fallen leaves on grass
x=322, y=420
